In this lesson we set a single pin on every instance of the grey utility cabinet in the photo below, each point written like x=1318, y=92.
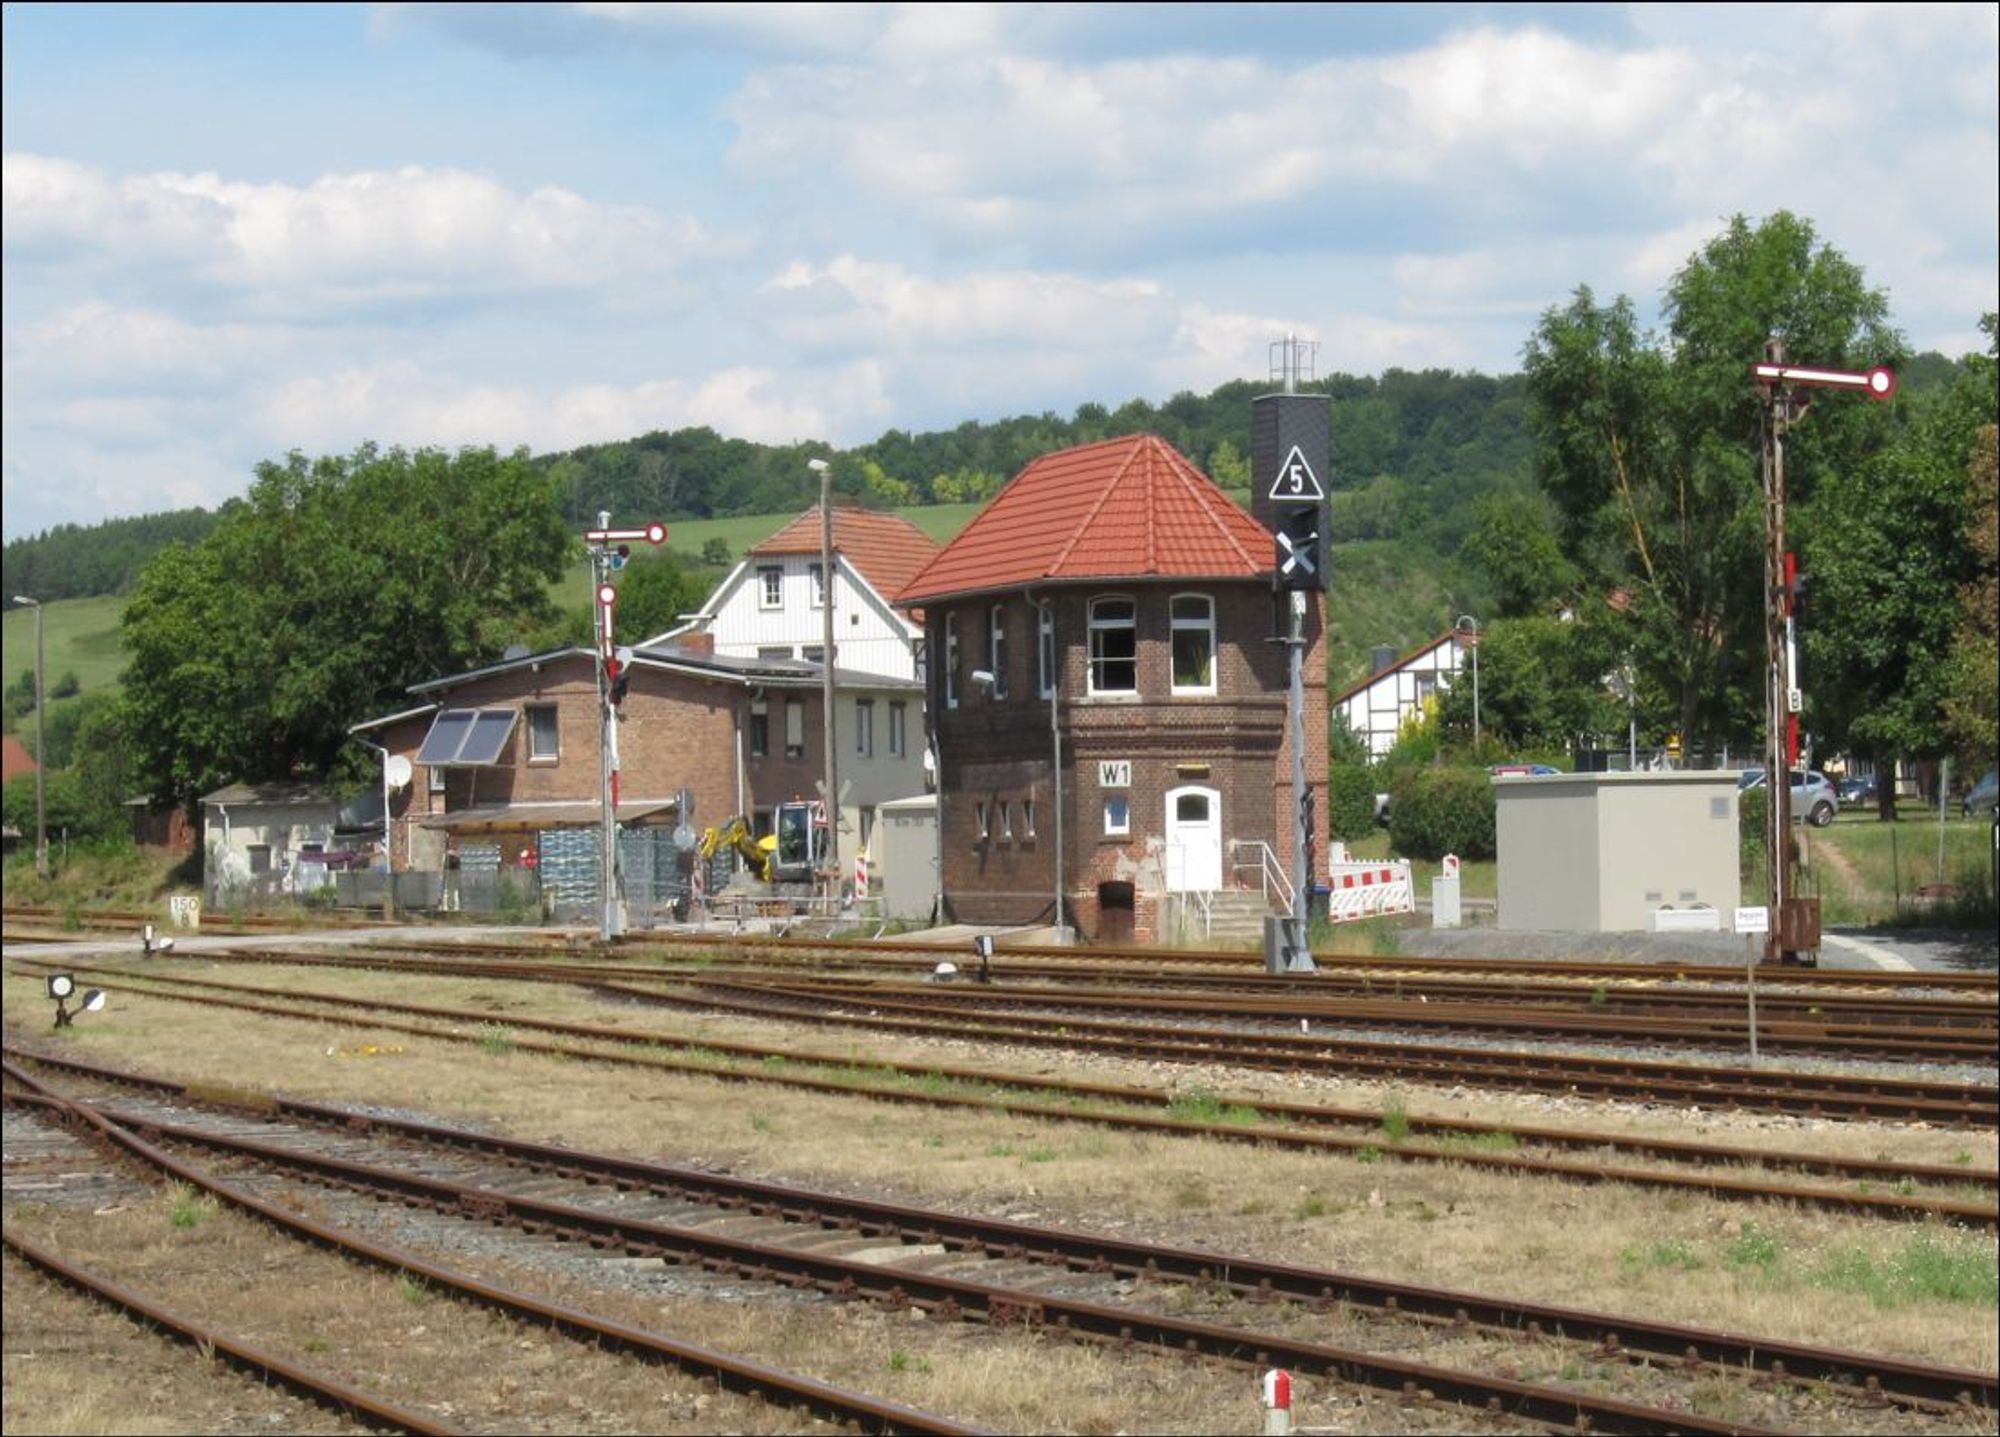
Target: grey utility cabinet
x=905, y=845
x=1604, y=852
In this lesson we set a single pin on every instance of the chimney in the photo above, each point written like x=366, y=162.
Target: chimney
x=1384, y=657
x=699, y=646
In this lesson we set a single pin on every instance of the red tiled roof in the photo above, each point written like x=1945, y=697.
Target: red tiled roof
x=1121, y=509
x=14, y=758
x=886, y=549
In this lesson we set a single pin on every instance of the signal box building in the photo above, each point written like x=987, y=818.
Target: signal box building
x=1112, y=602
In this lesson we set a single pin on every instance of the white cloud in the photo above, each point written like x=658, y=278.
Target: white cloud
x=96, y=344
x=853, y=302
x=366, y=237
x=400, y=403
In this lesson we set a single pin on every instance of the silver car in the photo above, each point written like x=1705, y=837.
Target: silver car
x=1814, y=797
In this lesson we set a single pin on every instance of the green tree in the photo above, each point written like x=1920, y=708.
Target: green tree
x=1542, y=685
x=1894, y=620
x=319, y=598
x=1513, y=543
x=1972, y=698
x=1649, y=447
x=653, y=593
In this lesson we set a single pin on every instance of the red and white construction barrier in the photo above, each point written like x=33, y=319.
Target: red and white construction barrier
x=1367, y=889
x=861, y=874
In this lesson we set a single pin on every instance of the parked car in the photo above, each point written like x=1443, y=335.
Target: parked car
x=1533, y=770
x=1813, y=797
x=1980, y=797
x=1859, y=789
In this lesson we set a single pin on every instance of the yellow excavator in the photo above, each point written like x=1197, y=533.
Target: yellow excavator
x=759, y=855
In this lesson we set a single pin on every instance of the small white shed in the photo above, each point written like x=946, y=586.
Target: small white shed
x=905, y=844
x=1612, y=852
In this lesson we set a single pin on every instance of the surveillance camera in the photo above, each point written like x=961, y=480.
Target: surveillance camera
x=818, y=466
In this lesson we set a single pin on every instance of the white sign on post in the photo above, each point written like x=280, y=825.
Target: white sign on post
x=185, y=910
x=1753, y=920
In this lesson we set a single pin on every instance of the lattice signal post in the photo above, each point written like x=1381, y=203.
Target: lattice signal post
x=1794, y=933
x=609, y=549
x=1291, y=446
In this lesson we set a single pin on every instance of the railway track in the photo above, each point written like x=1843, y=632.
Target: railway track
x=1055, y=1280
x=1667, y=996
x=363, y=1407
x=936, y=1014
x=871, y=1414
x=1957, y=1196
x=1807, y=1038
x=1052, y=962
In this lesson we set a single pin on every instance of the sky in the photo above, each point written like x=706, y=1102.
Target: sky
x=235, y=231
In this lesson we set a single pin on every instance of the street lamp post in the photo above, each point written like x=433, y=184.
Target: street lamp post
x=1469, y=627
x=831, y=796
x=1055, y=758
x=41, y=747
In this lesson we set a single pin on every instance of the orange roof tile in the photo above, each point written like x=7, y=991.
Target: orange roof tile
x=886, y=549
x=1124, y=508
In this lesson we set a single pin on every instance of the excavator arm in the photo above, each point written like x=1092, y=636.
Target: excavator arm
x=736, y=834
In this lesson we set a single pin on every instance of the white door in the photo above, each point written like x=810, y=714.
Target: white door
x=1194, y=839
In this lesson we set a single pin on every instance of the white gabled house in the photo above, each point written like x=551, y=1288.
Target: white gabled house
x=770, y=605
x=1380, y=704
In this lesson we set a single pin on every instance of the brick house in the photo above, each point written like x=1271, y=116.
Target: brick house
x=518, y=754
x=1121, y=603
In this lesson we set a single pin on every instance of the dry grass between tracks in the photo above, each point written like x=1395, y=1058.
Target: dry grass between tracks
x=1800, y=1275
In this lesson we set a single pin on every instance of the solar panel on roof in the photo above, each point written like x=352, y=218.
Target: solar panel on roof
x=473, y=737
x=448, y=731
x=488, y=738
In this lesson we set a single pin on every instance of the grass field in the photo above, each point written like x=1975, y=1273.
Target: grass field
x=79, y=636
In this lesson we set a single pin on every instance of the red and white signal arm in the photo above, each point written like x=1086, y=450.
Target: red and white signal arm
x=1876, y=383
x=654, y=533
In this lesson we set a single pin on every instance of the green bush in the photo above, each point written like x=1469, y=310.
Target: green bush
x=1437, y=811
x=1350, y=802
x=1750, y=819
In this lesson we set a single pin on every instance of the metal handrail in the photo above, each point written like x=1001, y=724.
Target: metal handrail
x=1270, y=872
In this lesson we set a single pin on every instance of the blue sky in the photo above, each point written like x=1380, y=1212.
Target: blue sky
x=233, y=231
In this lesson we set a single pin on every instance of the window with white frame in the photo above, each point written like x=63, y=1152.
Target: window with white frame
x=1027, y=818
x=1045, y=652
x=544, y=744
x=899, y=742
x=437, y=777
x=996, y=649
x=1114, y=646
x=795, y=729
x=818, y=583
x=760, y=727
x=1194, y=644
x=771, y=587
x=1117, y=815
x=1007, y=822
x=982, y=813
x=951, y=661
x=864, y=727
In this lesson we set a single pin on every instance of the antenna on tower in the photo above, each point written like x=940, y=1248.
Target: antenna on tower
x=1293, y=360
